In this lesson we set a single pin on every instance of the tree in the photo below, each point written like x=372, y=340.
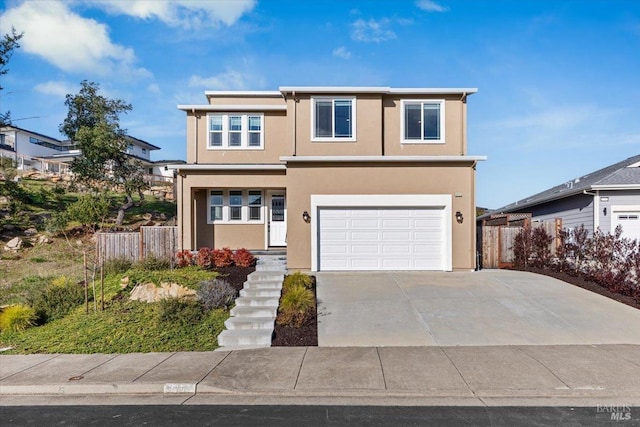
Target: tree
x=8, y=44
x=93, y=124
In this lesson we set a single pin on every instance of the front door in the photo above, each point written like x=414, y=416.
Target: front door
x=278, y=221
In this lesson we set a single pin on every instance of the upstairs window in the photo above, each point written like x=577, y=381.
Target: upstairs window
x=333, y=119
x=236, y=131
x=423, y=121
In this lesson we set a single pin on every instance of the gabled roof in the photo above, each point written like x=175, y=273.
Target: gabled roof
x=143, y=144
x=4, y=128
x=621, y=175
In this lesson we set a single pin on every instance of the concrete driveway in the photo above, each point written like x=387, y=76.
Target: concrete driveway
x=490, y=307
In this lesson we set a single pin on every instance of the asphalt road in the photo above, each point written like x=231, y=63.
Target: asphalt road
x=238, y=415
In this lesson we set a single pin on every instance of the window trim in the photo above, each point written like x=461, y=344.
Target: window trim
x=334, y=138
x=244, y=207
x=244, y=131
x=404, y=103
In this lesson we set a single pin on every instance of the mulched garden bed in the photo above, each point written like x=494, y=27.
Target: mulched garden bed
x=586, y=284
x=235, y=276
x=306, y=335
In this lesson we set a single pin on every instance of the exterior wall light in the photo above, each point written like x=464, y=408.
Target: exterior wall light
x=459, y=217
x=306, y=217
x=604, y=211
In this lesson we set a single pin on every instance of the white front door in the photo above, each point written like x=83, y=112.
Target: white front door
x=278, y=220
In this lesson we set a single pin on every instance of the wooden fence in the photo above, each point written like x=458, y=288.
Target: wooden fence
x=160, y=242
x=498, y=242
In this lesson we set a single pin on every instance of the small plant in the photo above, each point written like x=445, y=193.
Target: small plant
x=222, y=257
x=17, y=318
x=153, y=263
x=117, y=266
x=215, y=293
x=243, y=258
x=56, y=299
x=180, y=312
x=39, y=260
x=295, y=306
x=204, y=258
x=297, y=279
x=522, y=247
x=184, y=258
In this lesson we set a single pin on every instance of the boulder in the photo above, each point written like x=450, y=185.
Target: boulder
x=13, y=244
x=30, y=232
x=149, y=292
x=42, y=240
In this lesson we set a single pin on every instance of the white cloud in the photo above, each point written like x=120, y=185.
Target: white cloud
x=189, y=14
x=154, y=88
x=228, y=80
x=372, y=30
x=69, y=41
x=342, y=52
x=431, y=6
x=56, y=88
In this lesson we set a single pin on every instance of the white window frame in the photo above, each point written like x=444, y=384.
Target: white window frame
x=226, y=208
x=244, y=132
x=404, y=103
x=334, y=138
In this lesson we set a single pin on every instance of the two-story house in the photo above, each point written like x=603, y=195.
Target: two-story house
x=346, y=178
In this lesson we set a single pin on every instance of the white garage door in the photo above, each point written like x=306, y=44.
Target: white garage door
x=381, y=238
x=630, y=222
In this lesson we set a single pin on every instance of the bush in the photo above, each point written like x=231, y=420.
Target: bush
x=204, y=258
x=222, y=257
x=295, y=306
x=243, y=258
x=181, y=312
x=215, y=293
x=184, y=258
x=17, y=318
x=153, y=263
x=56, y=299
x=297, y=279
x=117, y=266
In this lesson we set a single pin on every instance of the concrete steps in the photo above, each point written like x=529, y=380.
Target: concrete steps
x=253, y=317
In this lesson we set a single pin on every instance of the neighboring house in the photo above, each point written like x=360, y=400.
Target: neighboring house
x=602, y=199
x=32, y=150
x=346, y=178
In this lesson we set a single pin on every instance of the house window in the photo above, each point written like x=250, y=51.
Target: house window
x=235, y=206
x=236, y=131
x=423, y=121
x=216, y=201
x=333, y=119
x=144, y=150
x=150, y=171
x=255, y=205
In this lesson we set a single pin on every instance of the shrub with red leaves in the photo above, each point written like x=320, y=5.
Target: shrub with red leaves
x=184, y=258
x=222, y=257
x=204, y=258
x=243, y=258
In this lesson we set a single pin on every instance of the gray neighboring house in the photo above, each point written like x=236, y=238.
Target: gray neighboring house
x=602, y=199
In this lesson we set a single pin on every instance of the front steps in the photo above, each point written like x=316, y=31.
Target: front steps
x=252, y=319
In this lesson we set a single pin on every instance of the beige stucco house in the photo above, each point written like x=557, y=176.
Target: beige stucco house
x=346, y=178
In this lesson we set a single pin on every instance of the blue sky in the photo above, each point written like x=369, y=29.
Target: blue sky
x=559, y=81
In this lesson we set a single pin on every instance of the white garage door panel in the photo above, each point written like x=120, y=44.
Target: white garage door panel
x=381, y=239
x=630, y=222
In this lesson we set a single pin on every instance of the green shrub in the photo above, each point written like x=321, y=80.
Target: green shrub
x=56, y=299
x=117, y=266
x=39, y=260
x=296, y=305
x=215, y=293
x=181, y=312
x=297, y=279
x=17, y=318
x=153, y=263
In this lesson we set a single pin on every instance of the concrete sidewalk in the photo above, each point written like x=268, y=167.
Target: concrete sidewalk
x=580, y=375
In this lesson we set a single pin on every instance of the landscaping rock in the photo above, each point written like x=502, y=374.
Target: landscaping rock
x=30, y=232
x=9, y=227
x=42, y=240
x=149, y=292
x=13, y=244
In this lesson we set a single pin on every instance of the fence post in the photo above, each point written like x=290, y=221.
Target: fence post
x=141, y=255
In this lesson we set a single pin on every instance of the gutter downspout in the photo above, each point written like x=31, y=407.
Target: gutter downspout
x=596, y=208
x=193, y=111
x=463, y=118
x=295, y=123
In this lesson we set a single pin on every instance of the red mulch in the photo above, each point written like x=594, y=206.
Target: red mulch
x=586, y=284
x=304, y=336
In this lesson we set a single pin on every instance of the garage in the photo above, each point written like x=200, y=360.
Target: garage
x=359, y=233
x=629, y=220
